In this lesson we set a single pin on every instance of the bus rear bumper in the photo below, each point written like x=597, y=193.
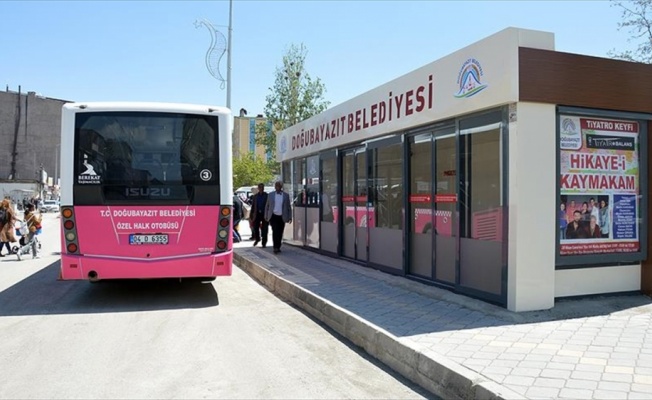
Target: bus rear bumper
x=99, y=268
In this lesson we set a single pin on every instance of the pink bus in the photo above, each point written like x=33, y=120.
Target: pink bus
x=146, y=191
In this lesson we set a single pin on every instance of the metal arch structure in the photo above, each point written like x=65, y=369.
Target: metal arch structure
x=215, y=51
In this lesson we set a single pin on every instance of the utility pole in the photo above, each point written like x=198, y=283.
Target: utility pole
x=228, y=57
x=40, y=182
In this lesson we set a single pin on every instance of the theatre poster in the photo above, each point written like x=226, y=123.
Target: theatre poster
x=599, y=186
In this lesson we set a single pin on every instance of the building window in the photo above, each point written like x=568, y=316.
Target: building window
x=270, y=132
x=481, y=208
x=387, y=186
x=252, y=135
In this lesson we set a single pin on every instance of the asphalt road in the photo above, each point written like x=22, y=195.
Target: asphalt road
x=165, y=339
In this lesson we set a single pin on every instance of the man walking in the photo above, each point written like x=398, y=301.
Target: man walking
x=257, y=215
x=278, y=213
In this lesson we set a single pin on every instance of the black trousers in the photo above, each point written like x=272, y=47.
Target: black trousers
x=260, y=227
x=278, y=225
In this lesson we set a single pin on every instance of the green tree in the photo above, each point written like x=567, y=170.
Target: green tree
x=637, y=17
x=295, y=97
x=250, y=169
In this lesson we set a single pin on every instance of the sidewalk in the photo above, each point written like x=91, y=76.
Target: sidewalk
x=458, y=347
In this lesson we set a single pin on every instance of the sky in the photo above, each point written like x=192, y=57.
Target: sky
x=152, y=51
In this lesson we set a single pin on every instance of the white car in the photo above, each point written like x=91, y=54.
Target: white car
x=245, y=191
x=50, y=206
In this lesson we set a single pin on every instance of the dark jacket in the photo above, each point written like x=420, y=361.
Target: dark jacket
x=238, y=211
x=254, y=205
x=576, y=232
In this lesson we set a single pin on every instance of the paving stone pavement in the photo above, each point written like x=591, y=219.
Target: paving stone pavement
x=592, y=348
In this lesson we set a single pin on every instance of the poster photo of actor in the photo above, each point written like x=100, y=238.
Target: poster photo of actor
x=587, y=217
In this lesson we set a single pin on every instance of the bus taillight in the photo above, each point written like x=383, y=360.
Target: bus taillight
x=223, y=229
x=70, y=235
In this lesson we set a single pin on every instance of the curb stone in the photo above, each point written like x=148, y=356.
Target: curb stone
x=432, y=371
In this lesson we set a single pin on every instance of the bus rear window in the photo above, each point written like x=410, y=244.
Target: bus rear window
x=138, y=155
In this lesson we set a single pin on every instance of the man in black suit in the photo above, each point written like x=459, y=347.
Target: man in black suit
x=257, y=215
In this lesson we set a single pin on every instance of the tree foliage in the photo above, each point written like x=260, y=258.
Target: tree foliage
x=637, y=18
x=250, y=169
x=295, y=97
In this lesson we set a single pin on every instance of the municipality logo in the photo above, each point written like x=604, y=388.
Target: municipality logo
x=569, y=138
x=470, y=79
x=283, y=145
x=568, y=127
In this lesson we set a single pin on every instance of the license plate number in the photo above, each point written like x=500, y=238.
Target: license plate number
x=148, y=239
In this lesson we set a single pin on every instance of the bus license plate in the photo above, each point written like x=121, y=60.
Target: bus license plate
x=148, y=239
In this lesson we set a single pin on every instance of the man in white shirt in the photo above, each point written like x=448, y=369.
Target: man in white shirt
x=278, y=213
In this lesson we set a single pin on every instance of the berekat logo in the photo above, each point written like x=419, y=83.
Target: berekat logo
x=88, y=176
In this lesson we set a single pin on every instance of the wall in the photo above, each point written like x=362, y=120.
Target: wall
x=532, y=204
x=576, y=80
x=586, y=281
x=583, y=81
x=39, y=130
x=646, y=267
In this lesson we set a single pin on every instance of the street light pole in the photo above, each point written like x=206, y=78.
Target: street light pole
x=56, y=165
x=216, y=50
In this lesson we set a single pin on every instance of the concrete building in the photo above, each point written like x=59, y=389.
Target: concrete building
x=30, y=135
x=244, y=135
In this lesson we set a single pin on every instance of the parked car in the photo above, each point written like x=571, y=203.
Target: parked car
x=50, y=206
x=245, y=191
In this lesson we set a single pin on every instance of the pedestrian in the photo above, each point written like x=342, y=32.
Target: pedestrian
x=249, y=202
x=605, y=218
x=278, y=212
x=32, y=220
x=7, y=220
x=563, y=222
x=238, y=214
x=259, y=226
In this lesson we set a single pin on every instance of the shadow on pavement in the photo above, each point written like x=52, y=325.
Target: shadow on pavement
x=592, y=306
x=42, y=294
x=390, y=302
